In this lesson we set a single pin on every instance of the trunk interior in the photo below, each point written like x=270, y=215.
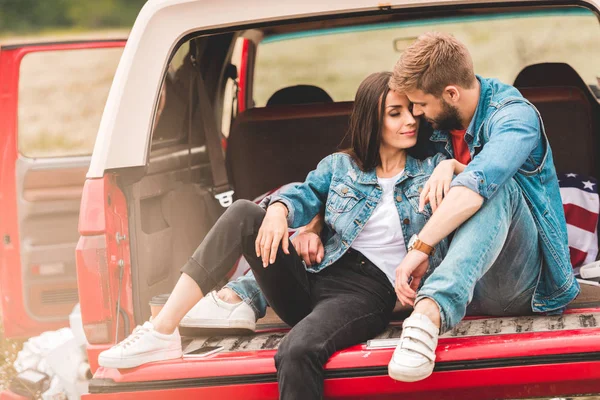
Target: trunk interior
x=172, y=212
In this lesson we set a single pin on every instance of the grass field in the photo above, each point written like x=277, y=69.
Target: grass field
x=61, y=99
x=500, y=49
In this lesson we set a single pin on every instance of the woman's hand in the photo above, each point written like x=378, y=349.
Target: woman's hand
x=274, y=229
x=414, y=266
x=438, y=184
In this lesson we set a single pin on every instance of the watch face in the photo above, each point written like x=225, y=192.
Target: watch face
x=412, y=241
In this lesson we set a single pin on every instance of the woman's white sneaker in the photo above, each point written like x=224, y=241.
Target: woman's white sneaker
x=414, y=357
x=144, y=345
x=213, y=313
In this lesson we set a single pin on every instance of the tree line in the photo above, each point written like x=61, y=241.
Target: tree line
x=28, y=16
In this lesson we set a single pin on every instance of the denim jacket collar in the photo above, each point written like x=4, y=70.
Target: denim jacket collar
x=412, y=168
x=472, y=135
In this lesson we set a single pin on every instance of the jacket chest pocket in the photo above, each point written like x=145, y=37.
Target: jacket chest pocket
x=413, y=194
x=342, y=198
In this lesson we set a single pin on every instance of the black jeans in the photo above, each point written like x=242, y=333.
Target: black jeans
x=345, y=304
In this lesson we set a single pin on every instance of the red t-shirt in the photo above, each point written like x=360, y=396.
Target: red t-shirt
x=461, y=150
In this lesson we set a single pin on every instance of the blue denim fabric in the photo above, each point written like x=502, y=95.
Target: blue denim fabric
x=247, y=288
x=498, y=275
x=349, y=197
x=506, y=139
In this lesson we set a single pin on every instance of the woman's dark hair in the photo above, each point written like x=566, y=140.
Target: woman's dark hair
x=366, y=122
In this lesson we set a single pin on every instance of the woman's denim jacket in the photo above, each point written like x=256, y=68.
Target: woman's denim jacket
x=349, y=197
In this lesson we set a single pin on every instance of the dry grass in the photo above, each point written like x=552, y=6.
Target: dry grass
x=62, y=93
x=8, y=354
x=61, y=99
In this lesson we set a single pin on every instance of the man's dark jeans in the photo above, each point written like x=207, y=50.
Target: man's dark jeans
x=345, y=304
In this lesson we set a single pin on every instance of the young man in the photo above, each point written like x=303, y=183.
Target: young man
x=509, y=254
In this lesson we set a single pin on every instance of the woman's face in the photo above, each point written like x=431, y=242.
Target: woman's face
x=400, y=127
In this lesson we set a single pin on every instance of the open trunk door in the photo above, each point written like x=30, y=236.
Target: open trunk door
x=51, y=99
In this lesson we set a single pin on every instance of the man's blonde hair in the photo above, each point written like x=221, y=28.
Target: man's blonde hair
x=434, y=61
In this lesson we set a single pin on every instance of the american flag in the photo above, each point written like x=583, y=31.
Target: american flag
x=580, y=201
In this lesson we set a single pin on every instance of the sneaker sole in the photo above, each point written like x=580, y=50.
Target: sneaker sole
x=136, y=361
x=220, y=324
x=397, y=373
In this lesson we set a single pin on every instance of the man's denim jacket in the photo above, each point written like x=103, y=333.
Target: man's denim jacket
x=506, y=139
x=349, y=197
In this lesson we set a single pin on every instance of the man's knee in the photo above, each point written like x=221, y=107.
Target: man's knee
x=503, y=203
x=508, y=191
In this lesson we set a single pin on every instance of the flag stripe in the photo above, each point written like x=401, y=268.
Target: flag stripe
x=580, y=217
x=580, y=239
x=591, y=254
x=589, y=201
x=577, y=256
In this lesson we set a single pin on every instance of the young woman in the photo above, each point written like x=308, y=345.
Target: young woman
x=370, y=194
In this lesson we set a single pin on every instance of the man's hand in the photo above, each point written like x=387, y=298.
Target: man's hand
x=437, y=185
x=413, y=266
x=309, y=246
x=273, y=230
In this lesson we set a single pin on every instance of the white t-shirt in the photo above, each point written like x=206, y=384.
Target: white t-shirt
x=381, y=239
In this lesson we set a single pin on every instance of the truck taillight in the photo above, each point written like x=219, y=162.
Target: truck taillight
x=103, y=260
x=94, y=291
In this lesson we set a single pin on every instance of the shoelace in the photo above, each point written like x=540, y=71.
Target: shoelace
x=137, y=333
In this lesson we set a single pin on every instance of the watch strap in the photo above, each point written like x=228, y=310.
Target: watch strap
x=423, y=247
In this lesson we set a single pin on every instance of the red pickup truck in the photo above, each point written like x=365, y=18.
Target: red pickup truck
x=148, y=199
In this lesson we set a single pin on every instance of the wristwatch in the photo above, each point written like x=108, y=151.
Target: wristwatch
x=416, y=244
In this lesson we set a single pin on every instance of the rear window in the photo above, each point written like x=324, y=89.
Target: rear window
x=338, y=59
x=61, y=100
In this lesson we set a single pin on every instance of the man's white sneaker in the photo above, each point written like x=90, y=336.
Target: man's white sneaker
x=213, y=313
x=414, y=356
x=144, y=345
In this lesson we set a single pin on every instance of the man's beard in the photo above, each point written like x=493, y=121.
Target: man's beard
x=448, y=119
